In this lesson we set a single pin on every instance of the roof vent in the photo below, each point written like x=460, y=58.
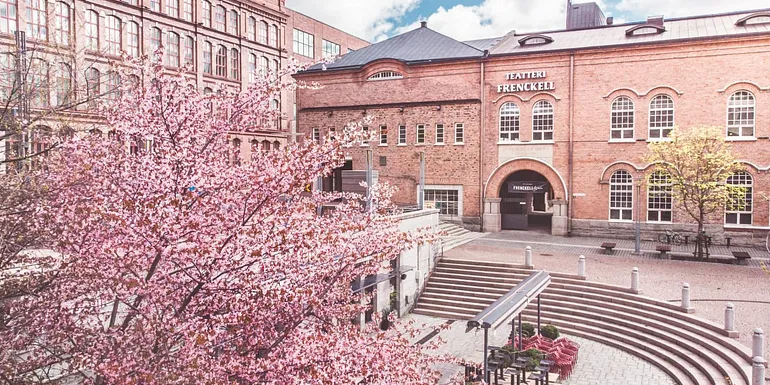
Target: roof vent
x=610, y=20
x=655, y=20
x=535, y=40
x=424, y=24
x=754, y=18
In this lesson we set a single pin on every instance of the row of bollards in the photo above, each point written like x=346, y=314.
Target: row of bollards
x=758, y=340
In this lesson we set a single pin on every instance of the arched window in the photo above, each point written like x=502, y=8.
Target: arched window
x=38, y=81
x=621, y=196
x=187, y=10
x=113, y=35
x=661, y=116
x=236, y=152
x=172, y=49
x=206, y=13
x=92, y=30
x=63, y=84
x=622, y=124
x=8, y=22
x=189, y=52
x=740, y=115
x=274, y=35
x=37, y=19
x=252, y=67
x=113, y=85
x=251, y=29
x=233, y=23
x=221, y=64
x=63, y=24
x=7, y=78
x=542, y=121
x=386, y=75
x=265, y=145
x=740, y=207
x=263, y=65
x=134, y=84
x=263, y=32
x=155, y=39
x=274, y=68
x=660, y=203
x=207, y=58
x=219, y=18
x=132, y=38
x=509, y=122
x=276, y=145
x=172, y=8
x=235, y=64
x=209, y=105
x=93, y=85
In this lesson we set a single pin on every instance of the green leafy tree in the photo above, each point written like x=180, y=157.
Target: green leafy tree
x=698, y=161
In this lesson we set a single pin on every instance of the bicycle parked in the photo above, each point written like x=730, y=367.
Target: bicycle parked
x=670, y=237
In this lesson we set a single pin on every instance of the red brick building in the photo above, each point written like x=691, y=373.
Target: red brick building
x=550, y=129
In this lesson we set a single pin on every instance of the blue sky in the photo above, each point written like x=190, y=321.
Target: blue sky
x=375, y=20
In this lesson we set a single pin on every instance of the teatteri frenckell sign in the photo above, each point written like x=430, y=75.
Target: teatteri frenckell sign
x=525, y=84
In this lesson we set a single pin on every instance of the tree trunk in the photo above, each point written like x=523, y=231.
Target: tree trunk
x=700, y=240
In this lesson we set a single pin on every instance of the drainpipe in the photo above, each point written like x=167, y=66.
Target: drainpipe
x=570, y=193
x=482, y=126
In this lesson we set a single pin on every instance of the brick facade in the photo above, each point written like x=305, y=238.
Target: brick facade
x=698, y=75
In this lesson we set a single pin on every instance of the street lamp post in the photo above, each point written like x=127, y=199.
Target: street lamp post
x=638, y=222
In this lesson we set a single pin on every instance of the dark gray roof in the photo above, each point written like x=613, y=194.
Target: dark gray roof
x=584, y=15
x=419, y=45
x=483, y=44
x=700, y=27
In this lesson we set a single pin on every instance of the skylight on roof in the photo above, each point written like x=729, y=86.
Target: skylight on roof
x=754, y=18
x=645, y=29
x=535, y=40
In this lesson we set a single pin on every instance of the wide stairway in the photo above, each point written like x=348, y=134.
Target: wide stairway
x=689, y=349
x=455, y=235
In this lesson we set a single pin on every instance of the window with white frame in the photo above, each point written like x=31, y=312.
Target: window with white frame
x=113, y=35
x=37, y=19
x=235, y=64
x=303, y=43
x=132, y=39
x=232, y=25
x=420, y=134
x=386, y=75
x=621, y=196
x=172, y=8
x=383, y=135
x=316, y=135
x=509, y=122
x=220, y=18
x=264, y=63
x=155, y=39
x=661, y=117
x=221, y=61
x=92, y=30
x=402, y=134
x=447, y=201
x=206, y=11
x=740, y=207
x=187, y=10
x=251, y=29
x=62, y=23
x=542, y=121
x=155, y=5
x=365, y=141
x=622, y=120
x=262, y=32
x=439, y=134
x=330, y=49
x=252, y=67
x=660, y=203
x=189, y=52
x=459, y=133
x=207, y=58
x=8, y=23
x=172, y=49
x=274, y=35
x=740, y=115
x=63, y=84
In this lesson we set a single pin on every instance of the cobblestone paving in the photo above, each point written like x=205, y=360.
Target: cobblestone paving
x=604, y=365
x=598, y=364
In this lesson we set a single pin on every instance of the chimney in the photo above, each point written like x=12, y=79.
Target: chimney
x=424, y=24
x=655, y=20
x=610, y=20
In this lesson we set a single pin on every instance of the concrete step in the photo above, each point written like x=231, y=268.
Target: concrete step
x=445, y=313
x=725, y=363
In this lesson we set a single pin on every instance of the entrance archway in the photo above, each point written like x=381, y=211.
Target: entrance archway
x=525, y=204
x=532, y=182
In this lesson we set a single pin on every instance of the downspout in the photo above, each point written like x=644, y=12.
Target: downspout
x=570, y=193
x=482, y=126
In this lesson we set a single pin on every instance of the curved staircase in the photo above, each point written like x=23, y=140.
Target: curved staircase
x=691, y=350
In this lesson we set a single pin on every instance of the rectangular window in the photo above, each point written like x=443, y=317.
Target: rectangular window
x=92, y=30
x=303, y=43
x=262, y=32
x=219, y=18
x=459, y=133
x=206, y=9
x=659, y=199
x=446, y=201
x=661, y=117
x=37, y=19
x=420, y=134
x=189, y=52
x=274, y=36
x=155, y=39
x=365, y=142
x=187, y=10
x=402, y=134
x=155, y=5
x=207, y=57
x=316, y=135
x=172, y=8
x=233, y=23
x=330, y=50
x=113, y=36
x=8, y=16
x=251, y=29
x=172, y=49
x=235, y=64
x=383, y=135
x=221, y=61
x=439, y=134
x=132, y=39
x=62, y=23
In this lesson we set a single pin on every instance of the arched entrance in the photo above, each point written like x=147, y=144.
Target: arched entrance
x=526, y=202
x=528, y=191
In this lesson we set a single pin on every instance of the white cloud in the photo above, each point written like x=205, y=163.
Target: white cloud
x=493, y=18
x=640, y=9
x=371, y=20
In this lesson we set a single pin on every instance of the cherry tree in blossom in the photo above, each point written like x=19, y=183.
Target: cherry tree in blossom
x=180, y=265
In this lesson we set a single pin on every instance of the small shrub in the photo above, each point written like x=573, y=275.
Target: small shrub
x=528, y=330
x=534, y=357
x=550, y=332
